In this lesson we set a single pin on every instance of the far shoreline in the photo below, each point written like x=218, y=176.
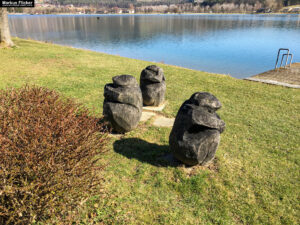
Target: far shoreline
x=145, y=14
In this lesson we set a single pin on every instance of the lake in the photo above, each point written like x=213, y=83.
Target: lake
x=239, y=45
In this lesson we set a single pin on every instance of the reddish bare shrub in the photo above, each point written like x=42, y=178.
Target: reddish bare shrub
x=49, y=148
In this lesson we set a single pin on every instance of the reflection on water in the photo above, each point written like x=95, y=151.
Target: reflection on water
x=240, y=45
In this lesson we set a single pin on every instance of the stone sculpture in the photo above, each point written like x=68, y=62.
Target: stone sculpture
x=123, y=103
x=195, y=135
x=153, y=86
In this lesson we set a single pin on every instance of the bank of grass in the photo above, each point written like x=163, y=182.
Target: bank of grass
x=253, y=180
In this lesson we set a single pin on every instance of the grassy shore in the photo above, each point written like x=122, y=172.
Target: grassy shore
x=253, y=180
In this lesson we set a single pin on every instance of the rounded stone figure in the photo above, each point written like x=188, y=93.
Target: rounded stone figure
x=153, y=86
x=123, y=103
x=195, y=135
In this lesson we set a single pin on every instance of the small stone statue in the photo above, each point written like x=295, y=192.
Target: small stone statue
x=195, y=135
x=153, y=86
x=123, y=103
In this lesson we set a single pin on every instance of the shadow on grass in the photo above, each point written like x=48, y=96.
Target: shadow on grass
x=145, y=152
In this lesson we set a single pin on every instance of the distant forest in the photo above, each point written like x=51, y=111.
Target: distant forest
x=160, y=6
x=138, y=3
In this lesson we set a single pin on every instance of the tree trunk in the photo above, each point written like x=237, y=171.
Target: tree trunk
x=5, y=38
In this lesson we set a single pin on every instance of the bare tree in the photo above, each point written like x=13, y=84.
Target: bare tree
x=5, y=38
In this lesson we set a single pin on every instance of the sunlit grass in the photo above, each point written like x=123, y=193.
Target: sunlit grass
x=254, y=179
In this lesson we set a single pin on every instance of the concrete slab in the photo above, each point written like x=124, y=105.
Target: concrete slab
x=273, y=82
x=155, y=108
x=161, y=121
x=147, y=115
x=287, y=77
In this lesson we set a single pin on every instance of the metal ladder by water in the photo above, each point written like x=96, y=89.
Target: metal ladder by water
x=287, y=55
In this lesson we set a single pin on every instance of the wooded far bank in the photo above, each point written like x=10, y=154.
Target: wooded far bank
x=161, y=6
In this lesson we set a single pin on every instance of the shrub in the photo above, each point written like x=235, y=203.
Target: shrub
x=49, y=151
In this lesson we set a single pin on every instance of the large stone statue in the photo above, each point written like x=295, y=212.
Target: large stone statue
x=123, y=103
x=153, y=86
x=196, y=132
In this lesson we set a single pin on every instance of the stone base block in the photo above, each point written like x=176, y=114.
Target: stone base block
x=155, y=108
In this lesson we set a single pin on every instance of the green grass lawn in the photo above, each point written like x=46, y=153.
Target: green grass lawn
x=253, y=180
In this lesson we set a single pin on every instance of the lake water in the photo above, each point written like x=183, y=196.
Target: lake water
x=239, y=45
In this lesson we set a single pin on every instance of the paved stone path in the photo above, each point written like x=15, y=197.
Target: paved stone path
x=159, y=120
x=288, y=77
x=147, y=115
